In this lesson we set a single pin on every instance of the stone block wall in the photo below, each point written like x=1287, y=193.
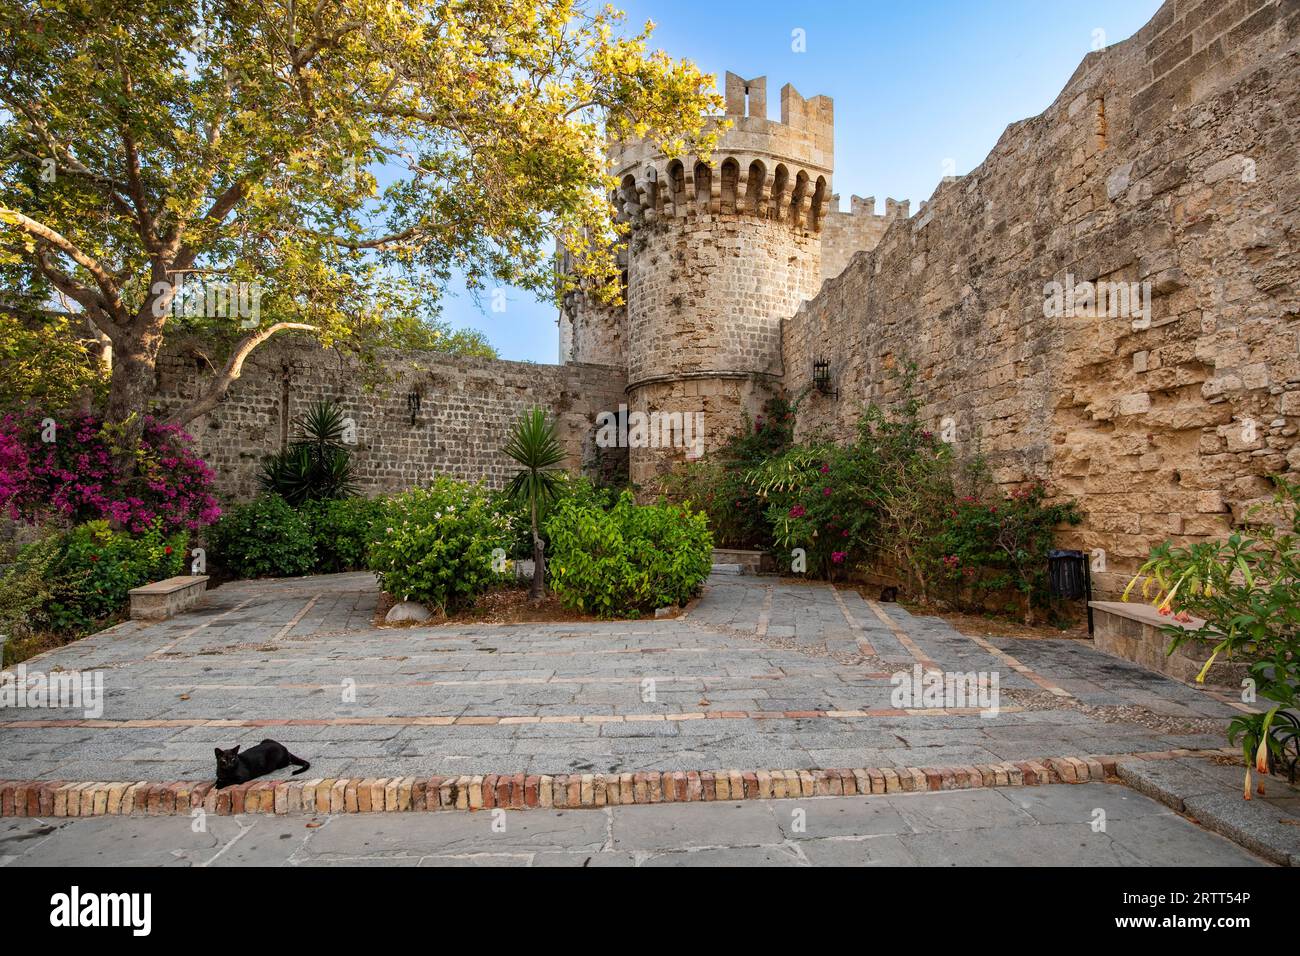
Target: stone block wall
x=1169, y=159
x=457, y=426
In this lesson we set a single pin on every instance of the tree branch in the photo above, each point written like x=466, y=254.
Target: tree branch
x=234, y=367
x=112, y=299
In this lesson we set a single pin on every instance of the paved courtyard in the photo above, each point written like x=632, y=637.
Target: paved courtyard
x=1040, y=826
x=758, y=674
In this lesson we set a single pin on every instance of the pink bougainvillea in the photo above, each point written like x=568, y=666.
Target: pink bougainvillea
x=68, y=469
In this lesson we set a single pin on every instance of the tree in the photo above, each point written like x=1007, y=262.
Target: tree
x=164, y=159
x=536, y=447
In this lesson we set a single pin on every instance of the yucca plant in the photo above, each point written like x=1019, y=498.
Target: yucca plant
x=317, y=465
x=536, y=447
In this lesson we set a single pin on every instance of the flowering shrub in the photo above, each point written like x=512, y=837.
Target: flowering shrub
x=71, y=470
x=263, y=539
x=628, y=560
x=718, y=484
x=1002, y=545
x=435, y=545
x=1247, y=589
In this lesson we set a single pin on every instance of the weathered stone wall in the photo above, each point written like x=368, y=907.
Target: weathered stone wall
x=845, y=234
x=465, y=409
x=1168, y=159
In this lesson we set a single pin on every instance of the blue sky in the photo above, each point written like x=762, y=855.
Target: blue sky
x=914, y=84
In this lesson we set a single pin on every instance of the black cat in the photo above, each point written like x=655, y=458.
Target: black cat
x=889, y=594
x=267, y=757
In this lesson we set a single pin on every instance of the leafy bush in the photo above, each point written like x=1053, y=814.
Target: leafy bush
x=1247, y=589
x=80, y=476
x=628, y=560
x=72, y=582
x=264, y=539
x=342, y=530
x=317, y=465
x=576, y=488
x=435, y=545
x=719, y=485
x=997, y=546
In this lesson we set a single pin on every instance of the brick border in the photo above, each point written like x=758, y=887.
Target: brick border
x=57, y=798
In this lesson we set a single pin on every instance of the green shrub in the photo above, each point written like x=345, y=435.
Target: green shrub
x=72, y=582
x=263, y=539
x=342, y=530
x=1001, y=545
x=317, y=465
x=628, y=560
x=1247, y=589
x=435, y=545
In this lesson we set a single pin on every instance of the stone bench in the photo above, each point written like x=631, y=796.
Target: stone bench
x=1133, y=631
x=737, y=561
x=163, y=599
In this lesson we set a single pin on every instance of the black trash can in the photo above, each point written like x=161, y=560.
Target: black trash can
x=1070, y=577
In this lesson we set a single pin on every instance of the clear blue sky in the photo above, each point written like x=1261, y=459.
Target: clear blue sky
x=914, y=83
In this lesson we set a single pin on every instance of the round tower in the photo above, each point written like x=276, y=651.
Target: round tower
x=719, y=253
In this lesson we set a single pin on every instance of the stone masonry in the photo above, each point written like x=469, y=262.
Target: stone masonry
x=430, y=413
x=1169, y=159
x=1162, y=177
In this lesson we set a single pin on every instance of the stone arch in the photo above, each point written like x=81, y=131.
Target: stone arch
x=754, y=188
x=780, y=179
x=818, y=201
x=797, y=198
x=703, y=186
x=677, y=187
x=627, y=197
x=730, y=184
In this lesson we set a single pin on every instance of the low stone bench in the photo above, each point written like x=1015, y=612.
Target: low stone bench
x=1133, y=631
x=163, y=599
x=737, y=561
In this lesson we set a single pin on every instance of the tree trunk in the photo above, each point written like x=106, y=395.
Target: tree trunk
x=538, y=589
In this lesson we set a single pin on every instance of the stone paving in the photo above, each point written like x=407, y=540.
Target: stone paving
x=759, y=674
x=1027, y=827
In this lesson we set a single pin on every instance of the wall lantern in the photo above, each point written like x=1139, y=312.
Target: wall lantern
x=822, y=378
x=413, y=403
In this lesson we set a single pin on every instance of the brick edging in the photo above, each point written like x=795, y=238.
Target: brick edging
x=57, y=798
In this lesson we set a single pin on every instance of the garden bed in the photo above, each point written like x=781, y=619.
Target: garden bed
x=509, y=605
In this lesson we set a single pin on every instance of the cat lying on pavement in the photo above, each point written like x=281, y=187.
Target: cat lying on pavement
x=267, y=757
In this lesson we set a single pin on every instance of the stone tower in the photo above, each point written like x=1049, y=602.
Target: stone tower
x=717, y=255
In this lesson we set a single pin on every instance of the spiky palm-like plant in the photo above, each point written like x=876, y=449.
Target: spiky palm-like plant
x=535, y=445
x=317, y=465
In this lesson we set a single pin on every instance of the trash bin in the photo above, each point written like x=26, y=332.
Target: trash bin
x=1066, y=571
x=1070, y=577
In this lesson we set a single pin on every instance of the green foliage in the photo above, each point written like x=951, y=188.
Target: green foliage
x=630, y=559
x=47, y=366
x=316, y=466
x=74, y=582
x=435, y=545
x=342, y=530
x=1247, y=590
x=350, y=160
x=1002, y=545
x=535, y=446
x=265, y=538
x=719, y=485
x=578, y=488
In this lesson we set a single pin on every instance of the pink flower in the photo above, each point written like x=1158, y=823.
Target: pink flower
x=826, y=492
x=838, y=556
x=797, y=511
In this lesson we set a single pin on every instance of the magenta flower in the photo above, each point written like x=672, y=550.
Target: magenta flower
x=839, y=556
x=797, y=511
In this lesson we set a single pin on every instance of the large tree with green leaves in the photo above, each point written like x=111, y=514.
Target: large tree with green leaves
x=348, y=157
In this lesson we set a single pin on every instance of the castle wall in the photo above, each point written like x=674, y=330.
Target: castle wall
x=845, y=234
x=1169, y=159
x=466, y=408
